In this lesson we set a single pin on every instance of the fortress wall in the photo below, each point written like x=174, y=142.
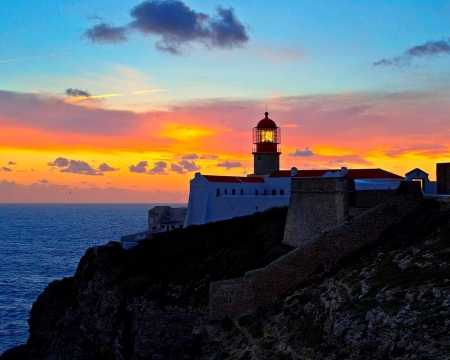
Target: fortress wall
x=370, y=198
x=236, y=297
x=315, y=204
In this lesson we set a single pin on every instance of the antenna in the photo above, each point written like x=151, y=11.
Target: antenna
x=266, y=106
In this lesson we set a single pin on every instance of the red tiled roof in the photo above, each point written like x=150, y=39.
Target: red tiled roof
x=219, y=178
x=371, y=174
x=251, y=179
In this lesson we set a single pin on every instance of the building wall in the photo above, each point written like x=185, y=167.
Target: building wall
x=205, y=205
x=266, y=163
x=162, y=214
x=443, y=178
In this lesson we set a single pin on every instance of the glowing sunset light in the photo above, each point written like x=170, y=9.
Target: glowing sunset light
x=140, y=111
x=81, y=98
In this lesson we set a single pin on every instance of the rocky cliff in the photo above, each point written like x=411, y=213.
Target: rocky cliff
x=388, y=300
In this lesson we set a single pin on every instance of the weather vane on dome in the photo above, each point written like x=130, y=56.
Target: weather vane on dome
x=266, y=106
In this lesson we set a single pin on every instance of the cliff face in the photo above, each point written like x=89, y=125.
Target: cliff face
x=150, y=301
x=388, y=300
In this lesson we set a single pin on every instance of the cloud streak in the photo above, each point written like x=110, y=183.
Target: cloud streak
x=176, y=25
x=52, y=113
x=43, y=192
x=429, y=49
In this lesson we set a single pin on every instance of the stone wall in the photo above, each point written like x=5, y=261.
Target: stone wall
x=315, y=204
x=236, y=297
x=443, y=178
x=370, y=198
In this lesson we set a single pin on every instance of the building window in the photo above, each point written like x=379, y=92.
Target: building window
x=225, y=191
x=217, y=192
x=265, y=192
x=233, y=192
x=259, y=157
x=282, y=192
x=256, y=192
x=274, y=192
x=242, y=192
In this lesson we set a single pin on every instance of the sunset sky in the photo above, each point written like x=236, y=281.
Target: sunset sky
x=123, y=101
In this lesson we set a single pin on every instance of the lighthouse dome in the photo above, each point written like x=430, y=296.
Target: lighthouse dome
x=267, y=123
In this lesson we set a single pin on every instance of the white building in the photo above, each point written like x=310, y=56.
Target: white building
x=215, y=197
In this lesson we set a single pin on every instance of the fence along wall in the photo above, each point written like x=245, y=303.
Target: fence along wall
x=236, y=297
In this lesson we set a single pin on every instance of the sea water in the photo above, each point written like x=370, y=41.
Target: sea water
x=43, y=242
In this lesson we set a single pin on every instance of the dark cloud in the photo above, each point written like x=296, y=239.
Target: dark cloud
x=430, y=48
x=4, y=168
x=177, y=25
x=12, y=163
x=184, y=166
x=159, y=168
x=140, y=168
x=302, y=153
x=80, y=167
x=105, y=167
x=190, y=157
x=227, y=30
x=59, y=162
x=189, y=165
x=75, y=166
x=177, y=168
x=227, y=164
x=77, y=92
x=44, y=181
x=105, y=34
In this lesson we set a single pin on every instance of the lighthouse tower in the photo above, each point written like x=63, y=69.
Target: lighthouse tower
x=266, y=136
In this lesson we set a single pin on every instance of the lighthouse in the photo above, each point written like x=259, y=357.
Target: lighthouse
x=266, y=155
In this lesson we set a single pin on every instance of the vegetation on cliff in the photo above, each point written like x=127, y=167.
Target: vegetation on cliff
x=388, y=300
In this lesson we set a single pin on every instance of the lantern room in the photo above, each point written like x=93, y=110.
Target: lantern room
x=266, y=135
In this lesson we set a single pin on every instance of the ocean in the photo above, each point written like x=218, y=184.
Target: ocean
x=43, y=242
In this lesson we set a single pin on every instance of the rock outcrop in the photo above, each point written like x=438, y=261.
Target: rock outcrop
x=390, y=299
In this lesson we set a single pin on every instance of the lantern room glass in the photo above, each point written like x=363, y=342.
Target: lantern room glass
x=266, y=135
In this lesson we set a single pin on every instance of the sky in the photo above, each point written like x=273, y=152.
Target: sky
x=125, y=101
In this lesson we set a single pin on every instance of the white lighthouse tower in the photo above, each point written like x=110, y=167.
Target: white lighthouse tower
x=266, y=156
